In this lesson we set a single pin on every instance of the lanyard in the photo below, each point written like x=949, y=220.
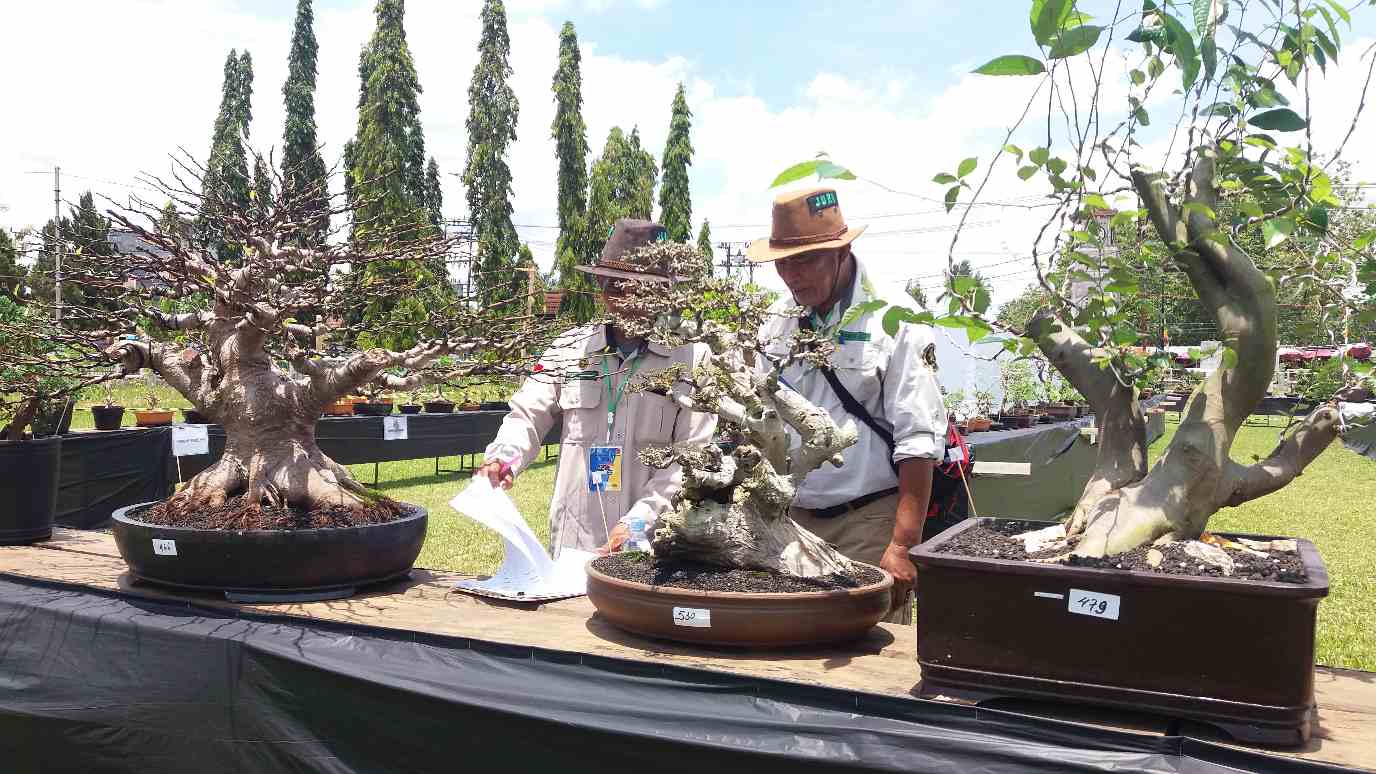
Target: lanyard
x=614, y=399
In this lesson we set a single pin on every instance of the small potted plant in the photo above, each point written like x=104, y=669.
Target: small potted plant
x=469, y=401
x=151, y=415
x=955, y=409
x=343, y=407
x=439, y=404
x=375, y=404
x=1019, y=390
x=412, y=404
x=984, y=410
x=108, y=415
x=495, y=397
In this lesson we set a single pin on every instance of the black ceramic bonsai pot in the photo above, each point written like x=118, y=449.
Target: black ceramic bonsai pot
x=1238, y=654
x=439, y=407
x=28, y=489
x=194, y=417
x=495, y=405
x=107, y=417
x=409, y=408
x=268, y=561
x=372, y=409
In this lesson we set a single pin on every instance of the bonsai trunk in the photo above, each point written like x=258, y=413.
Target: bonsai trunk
x=1124, y=505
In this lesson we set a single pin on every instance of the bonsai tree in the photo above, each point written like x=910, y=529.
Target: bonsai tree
x=266, y=302
x=1243, y=174
x=1019, y=384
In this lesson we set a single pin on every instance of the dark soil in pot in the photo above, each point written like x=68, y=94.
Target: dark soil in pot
x=642, y=568
x=372, y=409
x=439, y=407
x=108, y=417
x=410, y=408
x=232, y=515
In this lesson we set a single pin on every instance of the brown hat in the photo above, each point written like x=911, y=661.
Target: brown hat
x=803, y=221
x=626, y=236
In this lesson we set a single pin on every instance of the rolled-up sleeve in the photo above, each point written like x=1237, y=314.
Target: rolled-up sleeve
x=912, y=397
x=534, y=408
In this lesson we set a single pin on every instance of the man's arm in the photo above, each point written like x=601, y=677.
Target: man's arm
x=914, y=493
x=534, y=408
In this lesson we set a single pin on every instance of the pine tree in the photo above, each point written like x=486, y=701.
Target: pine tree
x=305, y=187
x=705, y=244
x=434, y=194
x=675, y=201
x=621, y=186
x=10, y=271
x=491, y=128
x=42, y=279
x=571, y=147
x=261, y=200
x=226, y=183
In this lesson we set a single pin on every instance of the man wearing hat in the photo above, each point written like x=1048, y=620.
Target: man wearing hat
x=873, y=508
x=601, y=486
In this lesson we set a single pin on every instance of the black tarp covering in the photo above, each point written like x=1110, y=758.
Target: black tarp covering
x=98, y=682
x=105, y=471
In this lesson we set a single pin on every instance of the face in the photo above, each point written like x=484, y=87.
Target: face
x=615, y=293
x=811, y=277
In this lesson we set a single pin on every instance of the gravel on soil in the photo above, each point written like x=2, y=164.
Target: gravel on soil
x=641, y=567
x=234, y=515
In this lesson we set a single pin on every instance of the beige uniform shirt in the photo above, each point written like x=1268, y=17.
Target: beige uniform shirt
x=569, y=382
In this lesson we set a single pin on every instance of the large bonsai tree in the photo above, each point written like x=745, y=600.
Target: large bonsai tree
x=261, y=343
x=1243, y=167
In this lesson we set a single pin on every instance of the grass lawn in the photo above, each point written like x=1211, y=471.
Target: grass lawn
x=1332, y=504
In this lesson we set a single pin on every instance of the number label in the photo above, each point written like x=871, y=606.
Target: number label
x=394, y=428
x=693, y=616
x=1094, y=604
x=164, y=547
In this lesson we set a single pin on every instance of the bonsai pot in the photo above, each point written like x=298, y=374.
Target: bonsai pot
x=1238, y=654
x=1082, y=409
x=372, y=409
x=108, y=417
x=1017, y=421
x=759, y=620
x=1062, y=412
x=28, y=489
x=495, y=405
x=438, y=407
x=470, y=406
x=194, y=417
x=340, y=408
x=979, y=424
x=409, y=408
x=54, y=419
x=152, y=417
x=268, y=561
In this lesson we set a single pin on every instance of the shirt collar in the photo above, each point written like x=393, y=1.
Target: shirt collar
x=847, y=299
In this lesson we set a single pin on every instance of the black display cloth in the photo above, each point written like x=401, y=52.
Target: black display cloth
x=93, y=681
x=105, y=471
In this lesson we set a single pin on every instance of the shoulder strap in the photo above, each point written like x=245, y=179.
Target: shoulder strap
x=851, y=405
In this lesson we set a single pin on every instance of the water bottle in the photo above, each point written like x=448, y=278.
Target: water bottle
x=638, y=540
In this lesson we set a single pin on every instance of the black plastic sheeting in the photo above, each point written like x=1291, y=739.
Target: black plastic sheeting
x=104, y=682
x=105, y=471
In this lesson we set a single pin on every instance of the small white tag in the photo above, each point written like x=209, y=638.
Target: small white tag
x=693, y=616
x=164, y=547
x=955, y=454
x=394, y=428
x=1047, y=595
x=190, y=440
x=1093, y=604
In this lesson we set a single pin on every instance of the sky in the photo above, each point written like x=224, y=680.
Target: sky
x=883, y=87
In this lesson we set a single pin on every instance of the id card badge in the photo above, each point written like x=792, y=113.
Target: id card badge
x=604, y=469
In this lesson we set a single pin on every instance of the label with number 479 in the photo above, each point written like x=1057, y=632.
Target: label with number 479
x=693, y=616
x=164, y=547
x=1094, y=604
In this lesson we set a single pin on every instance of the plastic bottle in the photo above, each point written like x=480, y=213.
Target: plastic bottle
x=638, y=540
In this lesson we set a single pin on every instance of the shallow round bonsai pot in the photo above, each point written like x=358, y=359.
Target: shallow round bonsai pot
x=372, y=409
x=739, y=619
x=107, y=417
x=438, y=407
x=28, y=489
x=409, y=408
x=152, y=418
x=268, y=561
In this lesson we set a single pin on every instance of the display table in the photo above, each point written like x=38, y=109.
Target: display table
x=98, y=675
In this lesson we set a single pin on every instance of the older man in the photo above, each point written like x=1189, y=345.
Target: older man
x=601, y=486
x=873, y=508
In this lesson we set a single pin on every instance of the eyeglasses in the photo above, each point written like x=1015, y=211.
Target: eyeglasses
x=808, y=260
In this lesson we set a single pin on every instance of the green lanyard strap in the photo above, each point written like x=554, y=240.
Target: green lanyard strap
x=614, y=398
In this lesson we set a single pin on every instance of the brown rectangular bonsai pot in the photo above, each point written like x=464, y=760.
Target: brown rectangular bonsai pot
x=1238, y=654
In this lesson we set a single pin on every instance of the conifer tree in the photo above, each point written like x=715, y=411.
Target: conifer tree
x=226, y=183
x=9, y=265
x=305, y=188
x=491, y=128
x=571, y=147
x=434, y=194
x=675, y=201
x=622, y=186
x=261, y=200
x=705, y=244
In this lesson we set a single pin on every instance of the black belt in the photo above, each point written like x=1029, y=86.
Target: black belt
x=853, y=505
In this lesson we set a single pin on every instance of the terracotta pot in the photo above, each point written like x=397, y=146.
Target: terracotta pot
x=979, y=424
x=340, y=408
x=107, y=417
x=438, y=407
x=153, y=417
x=999, y=628
x=409, y=408
x=734, y=618
x=471, y=407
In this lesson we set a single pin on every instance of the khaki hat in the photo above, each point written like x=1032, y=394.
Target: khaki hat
x=626, y=236
x=803, y=221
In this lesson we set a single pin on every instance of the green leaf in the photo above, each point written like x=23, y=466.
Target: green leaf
x=860, y=310
x=1027, y=172
x=1038, y=156
x=795, y=173
x=1145, y=34
x=1340, y=10
x=1208, y=51
x=1096, y=201
x=980, y=303
x=1015, y=150
x=1138, y=77
x=1203, y=209
x=1221, y=109
x=963, y=284
x=951, y=194
x=976, y=330
x=1277, y=230
x=1229, y=357
x=1182, y=46
x=827, y=170
x=1011, y=64
x=1364, y=240
x=1202, y=10
x=1318, y=218
x=1049, y=17
x=1057, y=166
x=950, y=322
x=1267, y=97
x=1278, y=120
x=945, y=178
x=896, y=315
x=967, y=166
x=1074, y=42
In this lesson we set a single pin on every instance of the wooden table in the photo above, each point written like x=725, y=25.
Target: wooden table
x=882, y=663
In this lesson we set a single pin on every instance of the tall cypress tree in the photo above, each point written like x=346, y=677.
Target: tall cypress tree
x=434, y=193
x=571, y=147
x=305, y=189
x=705, y=244
x=675, y=201
x=10, y=276
x=621, y=186
x=491, y=128
x=225, y=185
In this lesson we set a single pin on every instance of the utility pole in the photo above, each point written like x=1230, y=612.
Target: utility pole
x=735, y=259
x=57, y=242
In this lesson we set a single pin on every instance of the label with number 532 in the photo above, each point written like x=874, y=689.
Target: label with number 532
x=1094, y=604
x=693, y=616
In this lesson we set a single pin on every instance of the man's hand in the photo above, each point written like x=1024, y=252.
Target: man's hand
x=620, y=534
x=497, y=473
x=897, y=563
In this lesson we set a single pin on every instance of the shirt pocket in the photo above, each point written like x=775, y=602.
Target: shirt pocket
x=656, y=416
x=857, y=365
x=581, y=403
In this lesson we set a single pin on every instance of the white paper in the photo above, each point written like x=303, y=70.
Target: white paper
x=527, y=572
x=1094, y=604
x=190, y=440
x=164, y=547
x=696, y=617
x=394, y=428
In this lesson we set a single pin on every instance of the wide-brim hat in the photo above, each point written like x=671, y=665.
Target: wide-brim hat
x=803, y=221
x=619, y=258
